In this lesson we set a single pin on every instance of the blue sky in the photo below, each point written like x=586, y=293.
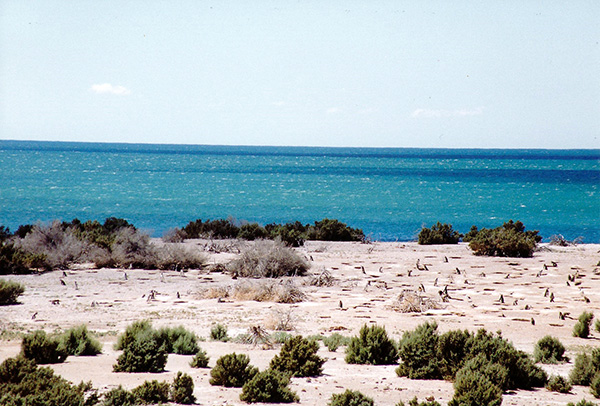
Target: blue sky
x=481, y=74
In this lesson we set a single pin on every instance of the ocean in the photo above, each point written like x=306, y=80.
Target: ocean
x=388, y=192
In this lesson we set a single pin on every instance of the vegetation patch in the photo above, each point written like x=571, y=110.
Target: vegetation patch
x=549, y=350
x=78, y=341
x=22, y=382
x=10, y=291
x=268, y=259
x=269, y=387
x=232, y=370
x=43, y=349
x=582, y=327
x=439, y=234
x=509, y=240
x=371, y=346
x=298, y=357
x=427, y=355
x=350, y=398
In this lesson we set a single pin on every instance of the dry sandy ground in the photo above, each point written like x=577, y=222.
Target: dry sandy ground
x=368, y=280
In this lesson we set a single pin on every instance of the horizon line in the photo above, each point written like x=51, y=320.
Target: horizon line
x=298, y=146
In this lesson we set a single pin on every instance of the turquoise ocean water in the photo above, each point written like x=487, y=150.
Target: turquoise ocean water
x=388, y=192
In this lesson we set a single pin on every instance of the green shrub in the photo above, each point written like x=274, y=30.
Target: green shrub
x=451, y=350
x=219, y=333
x=42, y=349
x=426, y=356
x=595, y=385
x=200, y=360
x=371, y=346
x=22, y=382
x=232, y=370
x=350, y=398
x=183, y=389
x=496, y=373
x=549, y=350
x=298, y=357
x=585, y=368
x=120, y=397
x=582, y=402
x=334, y=341
x=582, y=327
x=268, y=259
x=510, y=240
x=522, y=372
x=291, y=234
x=415, y=402
x=152, y=392
x=334, y=230
x=10, y=291
x=439, y=234
x=557, y=383
x=14, y=260
x=471, y=234
x=142, y=353
x=597, y=325
x=178, y=340
x=252, y=231
x=473, y=388
x=418, y=350
x=131, y=332
x=78, y=341
x=269, y=387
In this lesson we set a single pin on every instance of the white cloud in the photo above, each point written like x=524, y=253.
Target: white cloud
x=429, y=113
x=112, y=89
x=333, y=110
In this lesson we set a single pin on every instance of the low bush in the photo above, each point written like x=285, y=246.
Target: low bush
x=298, y=357
x=582, y=327
x=549, y=350
x=182, y=390
x=439, y=234
x=232, y=370
x=200, y=360
x=418, y=350
x=350, y=398
x=10, y=291
x=582, y=402
x=22, y=382
x=120, y=396
x=268, y=259
x=252, y=231
x=334, y=230
x=334, y=341
x=142, y=350
x=509, y=240
x=371, y=346
x=426, y=355
x=269, y=387
x=152, y=392
x=42, y=349
x=14, y=260
x=586, y=366
x=415, y=402
x=473, y=388
x=595, y=385
x=557, y=383
x=78, y=341
x=218, y=332
x=178, y=340
x=597, y=325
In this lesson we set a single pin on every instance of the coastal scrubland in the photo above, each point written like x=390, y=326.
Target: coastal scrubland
x=326, y=322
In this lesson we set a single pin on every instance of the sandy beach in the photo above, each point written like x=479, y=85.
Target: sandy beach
x=507, y=294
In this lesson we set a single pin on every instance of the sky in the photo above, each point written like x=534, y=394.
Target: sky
x=432, y=74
